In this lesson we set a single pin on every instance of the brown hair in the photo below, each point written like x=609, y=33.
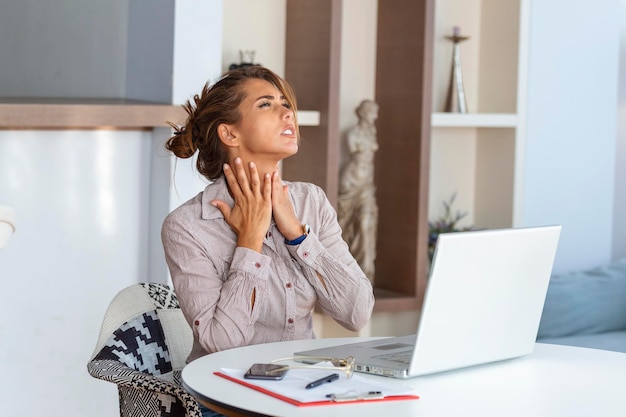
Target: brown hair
x=218, y=104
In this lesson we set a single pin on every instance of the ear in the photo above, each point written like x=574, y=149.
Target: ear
x=228, y=135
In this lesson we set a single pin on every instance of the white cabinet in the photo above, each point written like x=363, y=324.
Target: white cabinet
x=476, y=155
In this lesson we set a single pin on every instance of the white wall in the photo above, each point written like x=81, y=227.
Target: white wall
x=255, y=25
x=197, y=52
x=197, y=60
x=569, y=163
x=81, y=202
x=619, y=220
x=89, y=204
x=358, y=59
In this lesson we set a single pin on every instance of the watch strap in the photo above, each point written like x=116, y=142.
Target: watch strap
x=306, y=229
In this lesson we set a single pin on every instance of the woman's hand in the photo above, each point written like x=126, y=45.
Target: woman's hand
x=284, y=215
x=251, y=215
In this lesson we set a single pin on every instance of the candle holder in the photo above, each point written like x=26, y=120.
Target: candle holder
x=246, y=59
x=455, y=101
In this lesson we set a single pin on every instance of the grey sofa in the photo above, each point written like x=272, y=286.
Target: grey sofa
x=587, y=308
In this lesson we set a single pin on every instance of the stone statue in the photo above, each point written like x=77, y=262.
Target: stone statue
x=357, y=209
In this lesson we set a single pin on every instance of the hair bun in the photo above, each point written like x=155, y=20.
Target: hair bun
x=181, y=143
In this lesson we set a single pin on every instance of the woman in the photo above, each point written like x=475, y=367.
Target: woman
x=252, y=255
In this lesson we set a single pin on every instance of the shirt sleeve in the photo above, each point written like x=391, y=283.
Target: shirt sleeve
x=218, y=308
x=343, y=290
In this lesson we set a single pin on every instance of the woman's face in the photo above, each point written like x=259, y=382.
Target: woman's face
x=266, y=130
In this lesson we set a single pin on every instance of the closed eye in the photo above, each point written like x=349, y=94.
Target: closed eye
x=285, y=104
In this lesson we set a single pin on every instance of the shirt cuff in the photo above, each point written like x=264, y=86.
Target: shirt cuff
x=251, y=262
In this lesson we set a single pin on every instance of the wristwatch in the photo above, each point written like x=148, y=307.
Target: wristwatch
x=306, y=229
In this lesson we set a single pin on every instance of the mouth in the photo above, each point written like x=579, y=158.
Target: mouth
x=289, y=131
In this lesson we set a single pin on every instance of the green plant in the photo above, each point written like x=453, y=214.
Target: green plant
x=447, y=223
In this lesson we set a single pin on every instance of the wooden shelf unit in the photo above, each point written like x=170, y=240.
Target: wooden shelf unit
x=403, y=93
x=477, y=155
x=312, y=67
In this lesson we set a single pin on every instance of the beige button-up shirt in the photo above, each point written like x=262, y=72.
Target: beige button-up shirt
x=214, y=279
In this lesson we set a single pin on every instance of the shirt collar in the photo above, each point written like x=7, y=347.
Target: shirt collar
x=217, y=190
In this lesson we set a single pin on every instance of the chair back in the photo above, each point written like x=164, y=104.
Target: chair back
x=142, y=347
x=145, y=329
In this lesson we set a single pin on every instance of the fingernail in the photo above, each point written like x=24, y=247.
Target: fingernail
x=225, y=167
x=251, y=164
x=238, y=160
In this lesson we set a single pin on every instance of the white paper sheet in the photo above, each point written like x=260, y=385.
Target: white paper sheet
x=293, y=385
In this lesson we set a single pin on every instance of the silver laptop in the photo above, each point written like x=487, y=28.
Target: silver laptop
x=483, y=304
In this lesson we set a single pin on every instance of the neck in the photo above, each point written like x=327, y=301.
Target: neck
x=263, y=166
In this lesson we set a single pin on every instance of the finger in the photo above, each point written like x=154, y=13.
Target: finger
x=280, y=191
x=223, y=207
x=232, y=181
x=276, y=184
x=255, y=182
x=279, y=196
x=242, y=178
x=267, y=187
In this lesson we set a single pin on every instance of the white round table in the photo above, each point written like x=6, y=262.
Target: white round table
x=553, y=381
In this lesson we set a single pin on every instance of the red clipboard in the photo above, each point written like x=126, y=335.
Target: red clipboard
x=314, y=403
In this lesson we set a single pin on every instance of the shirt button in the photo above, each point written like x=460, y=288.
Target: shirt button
x=305, y=254
x=257, y=264
x=288, y=285
x=269, y=234
x=197, y=322
x=290, y=320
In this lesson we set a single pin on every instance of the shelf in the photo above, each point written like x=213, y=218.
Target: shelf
x=476, y=155
x=98, y=114
x=403, y=93
x=308, y=118
x=85, y=114
x=505, y=120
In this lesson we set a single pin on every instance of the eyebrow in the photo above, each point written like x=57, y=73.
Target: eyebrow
x=270, y=97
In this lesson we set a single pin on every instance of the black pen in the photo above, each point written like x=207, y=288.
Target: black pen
x=317, y=383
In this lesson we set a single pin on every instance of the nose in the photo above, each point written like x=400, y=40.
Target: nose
x=287, y=113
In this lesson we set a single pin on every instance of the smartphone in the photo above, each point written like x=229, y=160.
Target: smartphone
x=265, y=371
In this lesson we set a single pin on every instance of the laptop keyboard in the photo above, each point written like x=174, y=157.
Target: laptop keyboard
x=403, y=357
